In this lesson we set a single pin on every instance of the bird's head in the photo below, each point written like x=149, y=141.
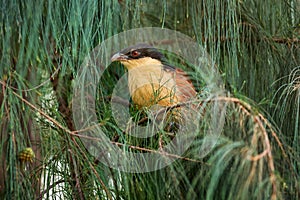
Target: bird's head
x=139, y=55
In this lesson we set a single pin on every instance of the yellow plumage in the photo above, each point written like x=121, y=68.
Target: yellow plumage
x=149, y=84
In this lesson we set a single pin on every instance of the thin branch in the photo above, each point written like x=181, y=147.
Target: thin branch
x=39, y=110
x=109, y=195
x=76, y=176
x=38, y=86
x=49, y=188
x=158, y=152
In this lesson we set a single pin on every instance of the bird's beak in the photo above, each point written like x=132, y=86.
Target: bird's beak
x=118, y=57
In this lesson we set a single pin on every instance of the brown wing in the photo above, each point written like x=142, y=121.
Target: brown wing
x=186, y=89
x=185, y=85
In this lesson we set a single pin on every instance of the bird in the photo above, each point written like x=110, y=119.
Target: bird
x=152, y=80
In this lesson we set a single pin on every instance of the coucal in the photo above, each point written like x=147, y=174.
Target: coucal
x=151, y=79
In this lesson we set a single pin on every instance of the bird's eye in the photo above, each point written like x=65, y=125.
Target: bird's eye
x=135, y=54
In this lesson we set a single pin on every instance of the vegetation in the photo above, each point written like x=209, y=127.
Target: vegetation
x=254, y=44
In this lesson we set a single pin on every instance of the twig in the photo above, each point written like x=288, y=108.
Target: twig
x=158, y=152
x=39, y=111
x=49, y=188
x=38, y=86
x=76, y=176
x=109, y=196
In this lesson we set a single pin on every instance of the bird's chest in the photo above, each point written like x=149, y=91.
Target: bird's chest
x=152, y=85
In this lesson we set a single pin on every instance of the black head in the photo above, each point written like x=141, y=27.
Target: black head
x=137, y=52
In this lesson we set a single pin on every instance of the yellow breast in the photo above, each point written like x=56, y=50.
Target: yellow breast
x=150, y=85
x=152, y=94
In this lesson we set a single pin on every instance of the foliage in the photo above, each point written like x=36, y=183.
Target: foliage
x=253, y=43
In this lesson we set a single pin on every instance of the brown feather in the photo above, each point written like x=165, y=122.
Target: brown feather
x=185, y=86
